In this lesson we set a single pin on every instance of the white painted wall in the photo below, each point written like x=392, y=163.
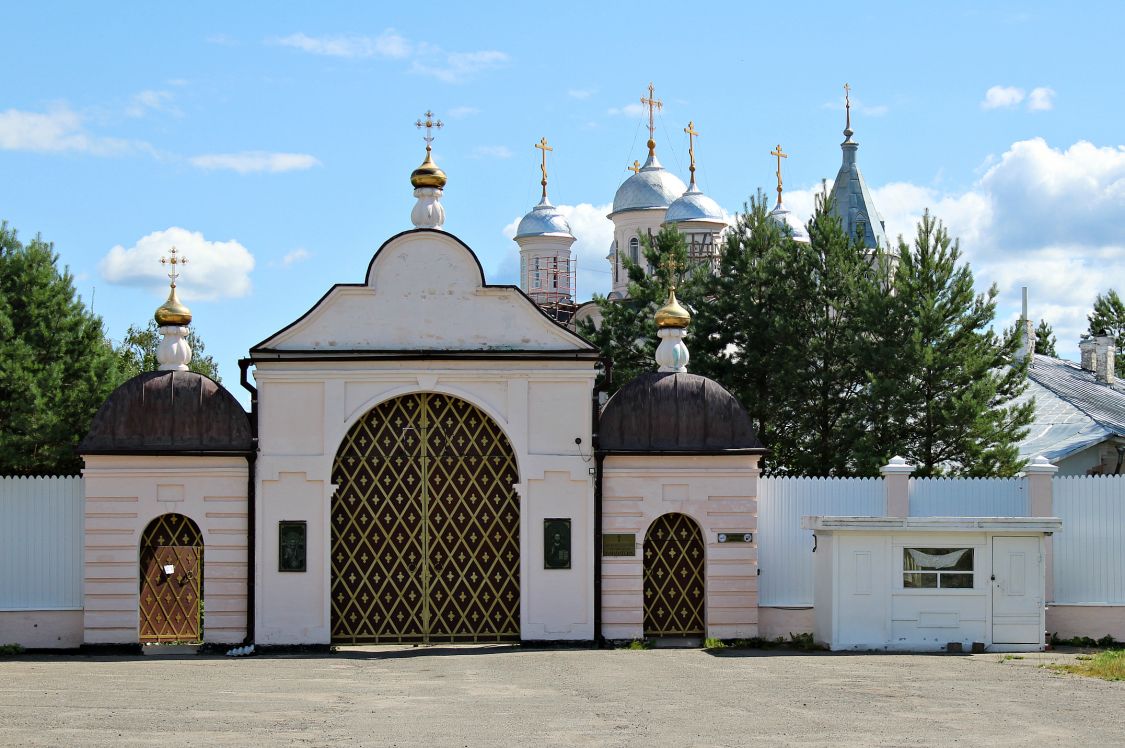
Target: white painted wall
x=720, y=494
x=968, y=497
x=124, y=494
x=40, y=543
x=1089, y=551
x=626, y=226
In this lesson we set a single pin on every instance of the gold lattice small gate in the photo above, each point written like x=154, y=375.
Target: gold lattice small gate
x=674, y=590
x=425, y=526
x=171, y=580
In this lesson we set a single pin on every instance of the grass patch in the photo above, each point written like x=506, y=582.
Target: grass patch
x=1106, y=642
x=1108, y=665
x=1005, y=658
x=801, y=642
x=638, y=644
x=713, y=642
x=11, y=649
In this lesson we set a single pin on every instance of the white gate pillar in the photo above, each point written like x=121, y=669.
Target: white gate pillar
x=896, y=482
x=1040, y=503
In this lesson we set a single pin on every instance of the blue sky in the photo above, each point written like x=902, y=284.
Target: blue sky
x=273, y=142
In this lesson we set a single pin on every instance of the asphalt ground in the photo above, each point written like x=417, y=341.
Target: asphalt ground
x=505, y=695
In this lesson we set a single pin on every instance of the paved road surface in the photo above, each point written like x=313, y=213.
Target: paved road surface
x=490, y=696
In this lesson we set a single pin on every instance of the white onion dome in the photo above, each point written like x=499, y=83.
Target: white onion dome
x=651, y=187
x=789, y=223
x=544, y=220
x=693, y=205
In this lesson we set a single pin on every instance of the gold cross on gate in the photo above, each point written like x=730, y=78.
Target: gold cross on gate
x=175, y=261
x=635, y=168
x=542, y=145
x=780, y=156
x=671, y=266
x=653, y=104
x=430, y=124
x=691, y=135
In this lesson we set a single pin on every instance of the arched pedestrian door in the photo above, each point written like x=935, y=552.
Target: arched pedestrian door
x=673, y=577
x=425, y=526
x=171, y=580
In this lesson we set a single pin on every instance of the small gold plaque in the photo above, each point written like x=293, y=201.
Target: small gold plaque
x=622, y=544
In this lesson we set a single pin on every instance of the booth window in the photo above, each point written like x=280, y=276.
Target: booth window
x=937, y=568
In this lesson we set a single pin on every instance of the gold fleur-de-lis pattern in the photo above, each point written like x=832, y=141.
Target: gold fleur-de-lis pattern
x=169, y=603
x=674, y=592
x=425, y=526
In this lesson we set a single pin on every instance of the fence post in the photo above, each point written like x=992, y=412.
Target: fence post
x=896, y=482
x=1039, y=474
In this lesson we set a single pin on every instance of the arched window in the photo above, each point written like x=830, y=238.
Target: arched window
x=635, y=250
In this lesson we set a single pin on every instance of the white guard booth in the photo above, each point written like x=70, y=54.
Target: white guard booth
x=922, y=583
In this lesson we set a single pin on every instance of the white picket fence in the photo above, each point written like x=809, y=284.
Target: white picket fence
x=784, y=549
x=968, y=497
x=41, y=523
x=1090, y=549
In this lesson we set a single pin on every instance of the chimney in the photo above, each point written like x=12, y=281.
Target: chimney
x=1086, y=349
x=1026, y=331
x=1104, y=350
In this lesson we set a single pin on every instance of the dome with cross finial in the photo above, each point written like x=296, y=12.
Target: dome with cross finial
x=651, y=188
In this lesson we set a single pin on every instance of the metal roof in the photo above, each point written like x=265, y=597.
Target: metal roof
x=1073, y=410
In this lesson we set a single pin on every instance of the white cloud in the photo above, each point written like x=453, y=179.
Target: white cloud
x=214, y=270
x=1002, y=97
x=58, y=130
x=389, y=45
x=580, y=93
x=593, y=233
x=629, y=110
x=248, y=162
x=152, y=101
x=1041, y=99
x=300, y=254
x=492, y=151
x=425, y=58
x=454, y=67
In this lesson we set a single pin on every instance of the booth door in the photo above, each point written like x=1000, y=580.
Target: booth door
x=171, y=580
x=673, y=578
x=1017, y=591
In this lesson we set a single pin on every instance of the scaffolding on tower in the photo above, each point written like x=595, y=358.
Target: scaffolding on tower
x=550, y=281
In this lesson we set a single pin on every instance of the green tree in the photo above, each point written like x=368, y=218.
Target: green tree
x=137, y=352
x=56, y=367
x=953, y=381
x=1108, y=317
x=1045, y=339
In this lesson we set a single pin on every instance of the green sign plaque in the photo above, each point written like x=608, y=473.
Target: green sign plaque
x=292, y=545
x=619, y=544
x=556, y=543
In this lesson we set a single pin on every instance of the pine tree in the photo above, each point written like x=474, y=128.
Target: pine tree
x=1108, y=317
x=954, y=380
x=1045, y=339
x=56, y=367
x=137, y=352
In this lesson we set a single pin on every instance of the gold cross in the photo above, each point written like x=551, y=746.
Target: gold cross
x=430, y=124
x=542, y=145
x=780, y=156
x=635, y=168
x=691, y=133
x=174, y=260
x=848, y=105
x=653, y=104
x=671, y=266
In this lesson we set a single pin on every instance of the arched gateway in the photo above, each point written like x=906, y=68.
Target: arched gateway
x=674, y=593
x=425, y=526
x=171, y=580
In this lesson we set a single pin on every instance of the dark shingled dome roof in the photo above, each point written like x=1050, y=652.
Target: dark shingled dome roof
x=676, y=413
x=169, y=412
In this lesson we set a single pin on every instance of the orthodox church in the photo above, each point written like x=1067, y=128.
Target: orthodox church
x=403, y=479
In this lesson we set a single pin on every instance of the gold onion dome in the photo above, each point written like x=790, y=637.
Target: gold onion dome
x=172, y=311
x=428, y=174
x=672, y=314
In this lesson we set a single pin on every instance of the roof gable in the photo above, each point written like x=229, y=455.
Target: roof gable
x=425, y=292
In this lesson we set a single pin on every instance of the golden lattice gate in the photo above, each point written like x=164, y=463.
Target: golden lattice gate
x=425, y=526
x=674, y=597
x=171, y=580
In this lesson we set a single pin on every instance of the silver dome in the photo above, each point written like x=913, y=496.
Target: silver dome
x=652, y=187
x=544, y=220
x=782, y=217
x=694, y=206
